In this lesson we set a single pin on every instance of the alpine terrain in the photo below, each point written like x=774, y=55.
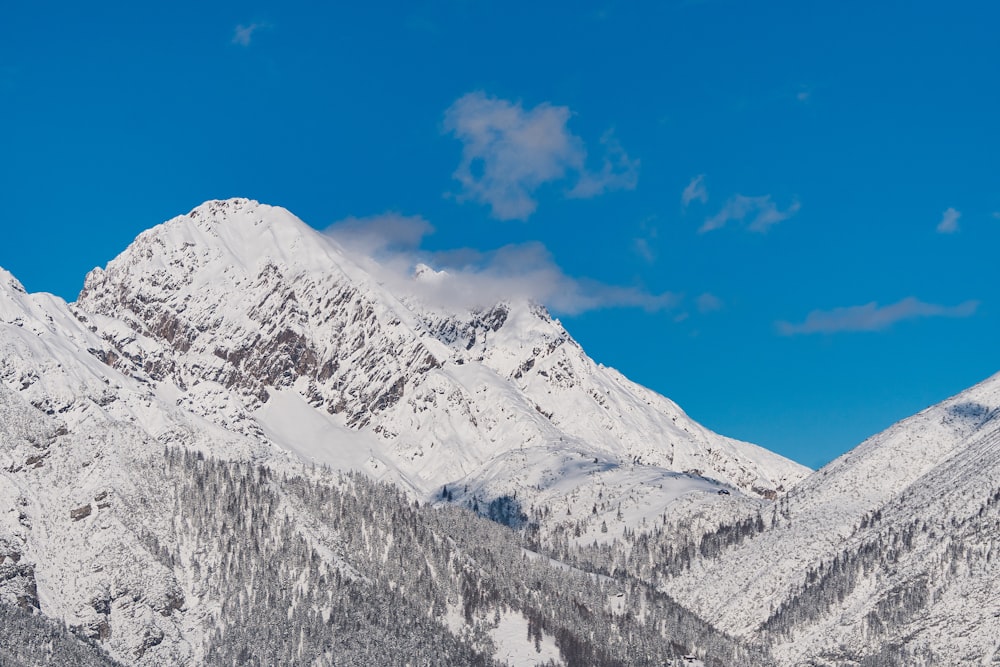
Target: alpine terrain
x=244, y=444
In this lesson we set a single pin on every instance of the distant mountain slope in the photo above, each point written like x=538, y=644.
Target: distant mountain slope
x=888, y=553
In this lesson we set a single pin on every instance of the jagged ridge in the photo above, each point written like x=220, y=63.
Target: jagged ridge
x=250, y=298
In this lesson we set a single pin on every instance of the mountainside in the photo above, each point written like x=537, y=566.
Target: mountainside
x=162, y=555
x=32, y=640
x=889, y=553
x=239, y=333
x=269, y=328
x=75, y=436
x=120, y=523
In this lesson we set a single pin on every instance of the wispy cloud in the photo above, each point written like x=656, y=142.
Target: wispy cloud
x=949, y=221
x=618, y=172
x=708, y=303
x=643, y=249
x=757, y=213
x=872, y=317
x=243, y=34
x=388, y=246
x=644, y=243
x=509, y=152
x=695, y=191
x=377, y=235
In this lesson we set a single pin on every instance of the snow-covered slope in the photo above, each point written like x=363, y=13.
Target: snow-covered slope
x=268, y=327
x=115, y=520
x=894, y=544
x=72, y=431
x=239, y=332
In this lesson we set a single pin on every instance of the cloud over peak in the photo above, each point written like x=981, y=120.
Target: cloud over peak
x=872, y=317
x=388, y=246
x=509, y=152
x=708, y=303
x=758, y=214
x=376, y=235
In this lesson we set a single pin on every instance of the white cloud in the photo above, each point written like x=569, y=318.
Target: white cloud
x=644, y=250
x=644, y=243
x=949, y=221
x=872, y=317
x=996, y=214
x=695, y=191
x=617, y=173
x=388, y=247
x=508, y=153
x=390, y=232
x=243, y=35
x=759, y=213
x=708, y=303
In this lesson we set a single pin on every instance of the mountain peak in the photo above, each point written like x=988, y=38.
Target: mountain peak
x=219, y=246
x=251, y=299
x=214, y=207
x=9, y=282
x=242, y=232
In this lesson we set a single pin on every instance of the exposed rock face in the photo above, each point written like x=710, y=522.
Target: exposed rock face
x=247, y=297
x=239, y=333
x=76, y=420
x=250, y=324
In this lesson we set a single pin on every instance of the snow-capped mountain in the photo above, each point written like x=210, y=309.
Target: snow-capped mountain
x=240, y=333
x=156, y=492
x=75, y=435
x=273, y=330
x=156, y=512
x=888, y=554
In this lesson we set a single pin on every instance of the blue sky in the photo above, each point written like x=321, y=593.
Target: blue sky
x=785, y=216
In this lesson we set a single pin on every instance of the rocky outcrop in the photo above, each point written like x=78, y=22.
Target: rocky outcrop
x=206, y=301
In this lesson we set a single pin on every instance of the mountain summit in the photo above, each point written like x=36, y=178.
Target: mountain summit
x=269, y=327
